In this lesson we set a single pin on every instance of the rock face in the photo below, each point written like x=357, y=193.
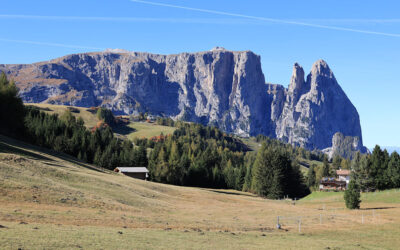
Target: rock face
x=345, y=146
x=315, y=109
x=218, y=87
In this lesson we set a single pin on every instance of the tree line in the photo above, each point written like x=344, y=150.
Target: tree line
x=377, y=171
x=196, y=155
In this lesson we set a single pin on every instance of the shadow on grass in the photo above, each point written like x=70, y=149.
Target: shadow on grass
x=123, y=129
x=9, y=145
x=229, y=192
x=376, y=208
x=75, y=161
x=5, y=148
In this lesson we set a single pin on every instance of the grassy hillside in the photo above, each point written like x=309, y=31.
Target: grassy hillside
x=89, y=118
x=50, y=200
x=144, y=129
x=132, y=130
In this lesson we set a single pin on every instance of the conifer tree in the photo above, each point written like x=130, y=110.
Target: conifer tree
x=11, y=107
x=394, y=170
x=352, y=196
x=311, y=177
x=326, y=172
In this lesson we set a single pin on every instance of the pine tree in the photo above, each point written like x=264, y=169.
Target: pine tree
x=352, y=196
x=249, y=159
x=229, y=173
x=97, y=157
x=270, y=167
x=11, y=107
x=326, y=172
x=379, y=164
x=336, y=162
x=311, y=178
x=394, y=170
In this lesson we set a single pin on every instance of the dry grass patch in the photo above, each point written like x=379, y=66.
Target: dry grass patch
x=76, y=205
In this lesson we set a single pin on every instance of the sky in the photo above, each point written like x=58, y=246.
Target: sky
x=360, y=40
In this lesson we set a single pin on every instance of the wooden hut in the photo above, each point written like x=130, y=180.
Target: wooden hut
x=134, y=172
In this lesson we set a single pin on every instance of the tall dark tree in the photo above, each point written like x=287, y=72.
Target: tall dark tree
x=11, y=108
x=336, y=162
x=352, y=196
x=379, y=165
x=311, y=177
x=394, y=170
x=274, y=176
x=326, y=171
x=106, y=115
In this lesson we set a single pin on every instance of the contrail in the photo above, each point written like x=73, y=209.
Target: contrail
x=50, y=44
x=351, y=20
x=267, y=19
x=185, y=20
x=127, y=19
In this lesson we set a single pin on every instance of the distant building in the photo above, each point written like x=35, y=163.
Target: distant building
x=151, y=118
x=339, y=183
x=134, y=172
x=343, y=175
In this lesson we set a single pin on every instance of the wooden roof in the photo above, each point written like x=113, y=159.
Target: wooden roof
x=343, y=172
x=132, y=169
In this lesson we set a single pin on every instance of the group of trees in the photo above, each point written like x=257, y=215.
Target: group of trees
x=105, y=115
x=377, y=171
x=274, y=175
x=69, y=135
x=196, y=155
x=165, y=121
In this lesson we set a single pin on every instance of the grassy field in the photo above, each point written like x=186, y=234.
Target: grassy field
x=49, y=200
x=130, y=131
x=89, y=118
x=144, y=129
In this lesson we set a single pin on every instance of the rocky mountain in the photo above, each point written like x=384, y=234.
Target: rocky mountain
x=345, y=146
x=218, y=87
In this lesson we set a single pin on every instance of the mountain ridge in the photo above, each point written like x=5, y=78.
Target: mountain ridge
x=223, y=88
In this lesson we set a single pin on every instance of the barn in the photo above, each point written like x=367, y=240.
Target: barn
x=134, y=172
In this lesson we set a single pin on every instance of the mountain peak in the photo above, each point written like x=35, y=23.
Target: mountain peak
x=320, y=67
x=297, y=80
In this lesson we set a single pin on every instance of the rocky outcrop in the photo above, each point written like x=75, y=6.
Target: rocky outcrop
x=315, y=109
x=345, y=146
x=218, y=87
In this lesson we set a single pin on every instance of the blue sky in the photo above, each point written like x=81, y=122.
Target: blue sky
x=360, y=40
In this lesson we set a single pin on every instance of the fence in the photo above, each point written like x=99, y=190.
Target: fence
x=327, y=218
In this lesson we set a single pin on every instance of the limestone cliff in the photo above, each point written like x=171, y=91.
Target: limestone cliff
x=315, y=109
x=218, y=87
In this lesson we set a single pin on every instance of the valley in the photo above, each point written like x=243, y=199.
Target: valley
x=52, y=200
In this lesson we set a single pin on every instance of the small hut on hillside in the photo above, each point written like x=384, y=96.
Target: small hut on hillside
x=134, y=172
